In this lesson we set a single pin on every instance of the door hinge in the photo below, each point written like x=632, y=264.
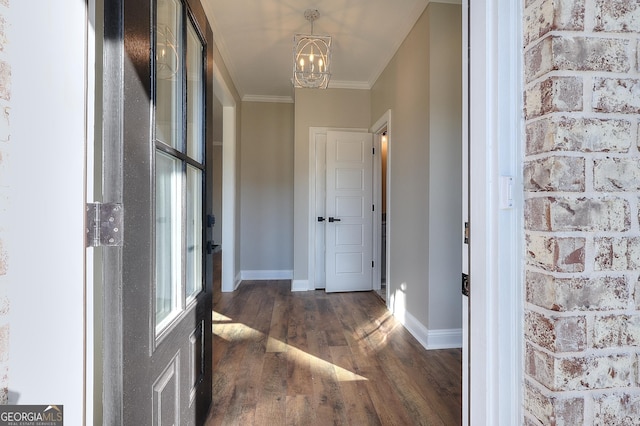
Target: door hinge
x=372, y=264
x=465, y=284
x=374, y=151
x=104, y=224
x=466, y=232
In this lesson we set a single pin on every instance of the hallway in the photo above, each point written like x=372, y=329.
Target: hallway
x=311, y=358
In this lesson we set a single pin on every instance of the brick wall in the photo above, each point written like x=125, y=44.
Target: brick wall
x=5, y=98
x=582, y=193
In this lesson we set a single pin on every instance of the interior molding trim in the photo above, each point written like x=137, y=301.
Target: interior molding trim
x=445, y=1
x=258, y=275
x=342, y=84
x=299, y=285
x=268, y=99
x=237, y=281
x=431, y=339
x=444, y=339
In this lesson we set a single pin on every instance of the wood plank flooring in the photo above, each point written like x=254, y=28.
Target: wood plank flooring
x=311, y=358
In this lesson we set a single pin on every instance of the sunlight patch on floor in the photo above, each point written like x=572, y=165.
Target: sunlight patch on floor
x=236, y=332
x=215, y=316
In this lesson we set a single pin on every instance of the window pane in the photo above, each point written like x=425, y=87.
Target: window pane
x=169, y=74
x=195, y=107
x=194, y=232
x=168, y=240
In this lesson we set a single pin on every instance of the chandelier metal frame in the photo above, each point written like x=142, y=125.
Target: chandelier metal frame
x=311, y=57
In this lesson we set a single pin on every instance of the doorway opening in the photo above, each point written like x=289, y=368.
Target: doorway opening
x=228, y=211
x=381, y=184
x=381, y=178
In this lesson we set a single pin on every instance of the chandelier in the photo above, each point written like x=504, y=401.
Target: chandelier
x=311, y=57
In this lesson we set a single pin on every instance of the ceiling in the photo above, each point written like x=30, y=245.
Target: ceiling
x=255, y=38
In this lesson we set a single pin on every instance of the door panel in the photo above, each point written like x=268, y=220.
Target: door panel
x=157, y=297
x=349, y=202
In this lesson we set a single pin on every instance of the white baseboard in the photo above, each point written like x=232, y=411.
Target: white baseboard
x=237, y=282
x=266, y=275
x=433, y=339
x=299, y=285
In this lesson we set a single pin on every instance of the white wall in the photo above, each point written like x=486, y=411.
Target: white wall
x=46, y=240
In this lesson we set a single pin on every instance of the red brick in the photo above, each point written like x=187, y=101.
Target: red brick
x=571, y=53
x=557, y=334
x=596, y=372
x=577, y=214
x=555, y=254
x=577, y=294
x=551, y=15
x=555, y=173
x=620, y=409
x=617, y=253
x=549, y=408
x=617, y=175
x=612, y=331
x=578, y=134
x=617, y=16
x=616, y=95
x=554, y=94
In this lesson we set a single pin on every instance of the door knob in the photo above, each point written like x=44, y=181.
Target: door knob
x=333, y=219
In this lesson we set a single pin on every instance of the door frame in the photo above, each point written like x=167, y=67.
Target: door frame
x=230, y=279
x=313, y=131
x=496, y=129
x=383, y=123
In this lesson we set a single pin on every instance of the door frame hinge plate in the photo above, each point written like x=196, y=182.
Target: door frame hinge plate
x=466, y=287
x=104, y=225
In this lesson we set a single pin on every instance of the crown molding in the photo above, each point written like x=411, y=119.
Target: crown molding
x=265, y=98
x=341, y=84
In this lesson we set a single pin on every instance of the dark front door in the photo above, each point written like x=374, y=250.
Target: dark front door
x=157, y=309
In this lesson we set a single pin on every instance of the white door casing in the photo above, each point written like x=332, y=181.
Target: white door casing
x=349, y=211
x=320, y=209
x=317, y=205
x=494, y=105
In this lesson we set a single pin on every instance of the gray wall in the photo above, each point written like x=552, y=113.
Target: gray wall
x=445, y=166
x=422, y=87
x=318, y=108
x=266, y=182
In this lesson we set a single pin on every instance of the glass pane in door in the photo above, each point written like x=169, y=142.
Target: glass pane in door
x=195, y=95
x=168, y=107
x=194, y=232
x=168, y=238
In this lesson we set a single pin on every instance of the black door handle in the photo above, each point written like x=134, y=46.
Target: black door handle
x=333, y=219
x=320, y=219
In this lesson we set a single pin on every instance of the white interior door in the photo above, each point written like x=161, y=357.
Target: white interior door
x=349, y=211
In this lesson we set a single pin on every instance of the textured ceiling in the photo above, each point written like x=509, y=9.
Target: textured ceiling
x=255, y=38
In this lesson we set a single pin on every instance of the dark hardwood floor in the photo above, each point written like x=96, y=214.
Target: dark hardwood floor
x=311, y=358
